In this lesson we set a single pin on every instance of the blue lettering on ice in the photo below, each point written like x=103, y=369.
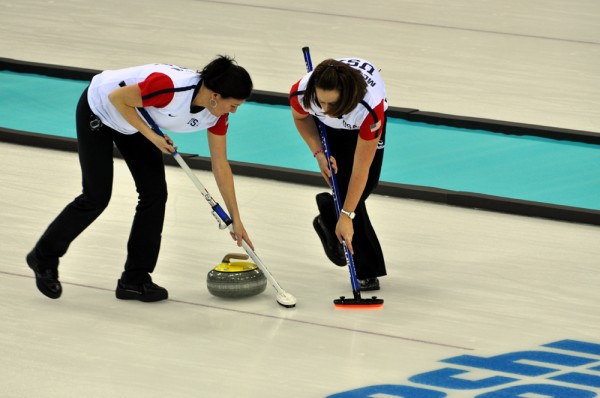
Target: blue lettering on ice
x=445, y=378
x=392, y=390
x=508, y=363
x=544, y=390
x=576, y=346
x=547, y=374
x=583, y=379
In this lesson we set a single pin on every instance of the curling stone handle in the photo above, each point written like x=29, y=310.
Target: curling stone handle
x=236, y=256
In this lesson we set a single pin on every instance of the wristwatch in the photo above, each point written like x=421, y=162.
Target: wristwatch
x=350, y=214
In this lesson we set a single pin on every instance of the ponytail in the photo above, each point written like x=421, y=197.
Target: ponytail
x=225, y=77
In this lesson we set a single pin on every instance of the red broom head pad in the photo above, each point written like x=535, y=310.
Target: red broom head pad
x=358, y=303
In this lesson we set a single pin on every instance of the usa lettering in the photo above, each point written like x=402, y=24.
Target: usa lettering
x=365, y=68
x=349, y=126
x=563, y=369
x=175, y=67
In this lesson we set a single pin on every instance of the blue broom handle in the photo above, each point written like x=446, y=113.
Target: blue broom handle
x=334, y=186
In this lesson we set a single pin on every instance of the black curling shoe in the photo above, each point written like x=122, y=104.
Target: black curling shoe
x=333, y=248
x=368, y=284
x=147, y=292
x=46, y=280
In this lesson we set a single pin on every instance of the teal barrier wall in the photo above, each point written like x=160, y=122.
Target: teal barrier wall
x=519, y=167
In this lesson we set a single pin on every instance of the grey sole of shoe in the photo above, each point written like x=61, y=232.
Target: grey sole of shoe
x=124, y=294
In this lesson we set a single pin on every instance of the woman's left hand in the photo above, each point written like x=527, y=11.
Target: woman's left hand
x=345, y=230
x=239, y=234
x=324, y=167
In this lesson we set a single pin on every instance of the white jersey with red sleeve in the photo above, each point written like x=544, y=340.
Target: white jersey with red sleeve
x=368, y=116
x=167, y=95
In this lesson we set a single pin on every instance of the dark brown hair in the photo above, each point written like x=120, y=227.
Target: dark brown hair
x=335, y=75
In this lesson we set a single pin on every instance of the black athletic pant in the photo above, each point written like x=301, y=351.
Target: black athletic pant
x=145, y=163
x=368, y=256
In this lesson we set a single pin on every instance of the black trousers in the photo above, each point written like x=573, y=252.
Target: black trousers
x=368, y=256
x=145, y=163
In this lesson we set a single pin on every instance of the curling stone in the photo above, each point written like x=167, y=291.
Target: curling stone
x=236, y=279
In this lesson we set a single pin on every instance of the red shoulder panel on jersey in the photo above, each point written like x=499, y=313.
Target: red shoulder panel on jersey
x=157, y=90
x=294, y=103
x=221, y=127
x=372, y=126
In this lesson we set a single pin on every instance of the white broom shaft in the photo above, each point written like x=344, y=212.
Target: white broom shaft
x=190, y=174
x=261, y=266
